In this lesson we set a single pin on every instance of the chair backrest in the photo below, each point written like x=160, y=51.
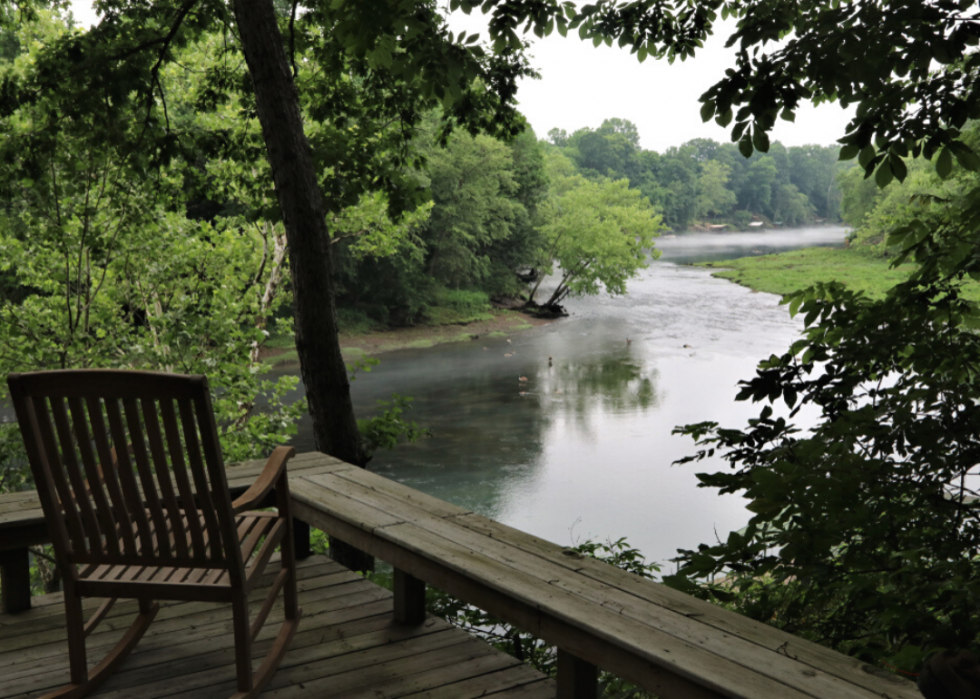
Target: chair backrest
x=128, y=467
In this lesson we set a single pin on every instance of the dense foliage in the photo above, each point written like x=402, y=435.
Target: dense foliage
x=104, y=264
x=704, y=181
x=861, y=472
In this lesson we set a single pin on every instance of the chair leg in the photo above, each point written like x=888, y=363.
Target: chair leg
x=290, y=597
x=273, y=658
x=75, y=623
x=101, y=672
x=243, y=644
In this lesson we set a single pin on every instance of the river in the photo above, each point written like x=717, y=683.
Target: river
x=583, y=447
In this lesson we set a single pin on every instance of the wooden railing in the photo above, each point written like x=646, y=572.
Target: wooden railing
x=598, y=616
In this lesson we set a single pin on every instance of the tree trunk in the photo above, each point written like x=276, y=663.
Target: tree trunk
x=304, y=215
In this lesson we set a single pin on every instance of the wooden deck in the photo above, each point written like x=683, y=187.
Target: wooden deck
x=670, y=644
x=347, y=646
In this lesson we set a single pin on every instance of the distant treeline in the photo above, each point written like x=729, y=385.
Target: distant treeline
x=705, y=181
x=502, y=214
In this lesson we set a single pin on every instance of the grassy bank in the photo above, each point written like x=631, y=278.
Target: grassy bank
x=789, y=271
x=372, y=340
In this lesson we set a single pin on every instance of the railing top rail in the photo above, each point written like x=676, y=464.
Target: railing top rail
x=665, y=641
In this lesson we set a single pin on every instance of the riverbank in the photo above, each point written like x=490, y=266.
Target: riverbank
x=499, y=323
x=782, y=273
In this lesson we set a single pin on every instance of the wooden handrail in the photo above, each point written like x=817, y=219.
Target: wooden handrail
x=599, y=616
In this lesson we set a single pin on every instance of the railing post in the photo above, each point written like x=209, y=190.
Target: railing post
x=301, y=539
x=409, y=599
x=577, y=679
x=15, y=581
x=350, y=557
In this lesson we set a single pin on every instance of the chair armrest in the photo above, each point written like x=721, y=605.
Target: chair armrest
x=275, y=467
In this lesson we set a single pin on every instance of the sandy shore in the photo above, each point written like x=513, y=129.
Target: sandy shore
x=504, y=322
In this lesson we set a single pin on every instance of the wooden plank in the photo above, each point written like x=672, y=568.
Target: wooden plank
x=776, y=664
x=347, y=644
x=610, y=605
x=11, y=510
x=50, y=620
x=511, y=680
x=538, y=690
x=173, y=638
x=217, y=664
x=376, y=665
x=603, y=635
x=527, y=617
x=171, y=617
x=307, y=666
x=648, y=592
x=428, y=673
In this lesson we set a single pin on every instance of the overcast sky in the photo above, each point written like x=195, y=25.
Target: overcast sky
x=580, y=86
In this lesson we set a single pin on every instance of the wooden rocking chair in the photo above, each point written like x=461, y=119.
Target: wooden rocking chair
x=130, y=476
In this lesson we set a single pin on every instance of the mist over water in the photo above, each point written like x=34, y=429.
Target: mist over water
x=583, y=447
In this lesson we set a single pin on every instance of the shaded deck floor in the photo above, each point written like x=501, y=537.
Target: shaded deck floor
x=347, y=646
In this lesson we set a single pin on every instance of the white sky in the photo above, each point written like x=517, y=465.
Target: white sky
x=581, y=86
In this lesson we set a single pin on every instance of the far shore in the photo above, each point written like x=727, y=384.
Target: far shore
x=502, y=323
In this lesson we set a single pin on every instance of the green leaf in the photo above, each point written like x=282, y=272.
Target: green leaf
x=725, y=119
x=866, y=155
x=745, y=146
x=883, y=175
x=944, y=163
x=760, y=139
x=849, y=152
x=707, y=110
x=898, y=167
x=966, y=157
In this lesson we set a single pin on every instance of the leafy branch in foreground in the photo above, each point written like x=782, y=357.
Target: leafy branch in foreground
x=865, y=533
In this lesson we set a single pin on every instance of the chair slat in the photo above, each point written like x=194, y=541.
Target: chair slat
x=143, y=468
x=126, y=476
x=110, y=477
x=198, y=470
x=95, y=484
x=72, y=519
x=178, y=533
x=180, y=475
x=221, y=499
x=256, y=530
x=70, y=460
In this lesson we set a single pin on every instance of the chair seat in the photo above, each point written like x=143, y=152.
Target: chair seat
x=183, y=581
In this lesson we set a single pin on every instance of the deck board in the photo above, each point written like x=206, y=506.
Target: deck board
x=347, y=646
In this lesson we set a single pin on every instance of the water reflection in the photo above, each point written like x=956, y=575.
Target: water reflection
x=583, y=446
x=587, y=390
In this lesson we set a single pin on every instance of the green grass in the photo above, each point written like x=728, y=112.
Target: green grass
x=790, y=271
x=444, y=315
x=284, y=358
x=280, y=341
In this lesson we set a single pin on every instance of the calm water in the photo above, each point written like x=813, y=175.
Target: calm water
x=583, y=447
